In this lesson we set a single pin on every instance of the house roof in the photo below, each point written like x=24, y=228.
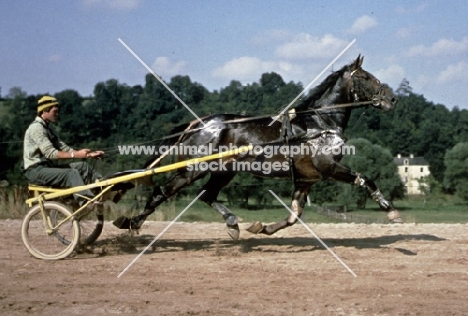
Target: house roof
x=412, y=161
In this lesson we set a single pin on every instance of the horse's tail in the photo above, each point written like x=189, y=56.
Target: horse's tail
x=178, y=135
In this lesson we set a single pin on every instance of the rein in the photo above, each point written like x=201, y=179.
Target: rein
x=336, y=106
x=255, y=118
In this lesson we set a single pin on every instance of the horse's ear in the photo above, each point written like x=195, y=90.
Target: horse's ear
x=358, y=62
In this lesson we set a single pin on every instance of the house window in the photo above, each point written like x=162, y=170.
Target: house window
x=422, y=169
x=405, y=161
x=406, y=169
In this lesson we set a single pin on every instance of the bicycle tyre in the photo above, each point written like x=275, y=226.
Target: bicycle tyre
x=91, y=224
x=90, y=228
x=51, y=246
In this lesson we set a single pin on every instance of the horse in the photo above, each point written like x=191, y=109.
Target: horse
x=319, y=124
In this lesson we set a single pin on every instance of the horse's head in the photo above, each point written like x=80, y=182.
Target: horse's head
x=366, y=87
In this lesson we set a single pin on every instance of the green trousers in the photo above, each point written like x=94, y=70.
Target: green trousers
x=72, y=175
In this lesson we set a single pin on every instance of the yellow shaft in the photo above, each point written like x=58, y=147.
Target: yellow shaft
x=174, y=166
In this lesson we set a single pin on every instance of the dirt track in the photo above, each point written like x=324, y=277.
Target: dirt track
x=194, y=269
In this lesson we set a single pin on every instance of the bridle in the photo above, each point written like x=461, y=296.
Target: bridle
x=375, y=97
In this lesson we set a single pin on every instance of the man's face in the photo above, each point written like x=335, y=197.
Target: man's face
x=52, y=115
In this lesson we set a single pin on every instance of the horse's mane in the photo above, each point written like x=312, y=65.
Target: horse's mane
x=317, y=92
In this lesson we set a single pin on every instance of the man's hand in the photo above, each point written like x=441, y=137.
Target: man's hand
x=95, y=154
x=87, y=153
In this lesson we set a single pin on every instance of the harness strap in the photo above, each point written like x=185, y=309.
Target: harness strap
x=287, y=134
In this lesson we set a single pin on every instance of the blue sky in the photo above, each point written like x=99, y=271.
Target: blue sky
x=48, y=46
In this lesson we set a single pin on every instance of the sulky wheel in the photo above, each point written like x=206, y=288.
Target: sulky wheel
x=43, y=240
x=91, y=225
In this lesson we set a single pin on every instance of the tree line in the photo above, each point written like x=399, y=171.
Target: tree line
x=118, y=114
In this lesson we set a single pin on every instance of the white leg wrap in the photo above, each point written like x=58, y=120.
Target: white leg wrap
x=393, y=215
x=297, y=210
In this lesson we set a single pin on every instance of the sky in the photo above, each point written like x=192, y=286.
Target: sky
x=49, y=46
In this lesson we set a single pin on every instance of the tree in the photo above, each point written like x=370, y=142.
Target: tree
x=148, y=120
x=404, y=89
x=109, y=96
x=276, y=93
x=190, y=92
x=456, y=172
x=430, y=187
x=460, y=125
x=271, y=82
x=323, y=191
x=20, y=112
x=72, y=123
x=242, y=188
x=231, y=97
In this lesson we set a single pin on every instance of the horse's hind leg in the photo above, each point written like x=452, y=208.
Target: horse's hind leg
x=297, y=206
x=159, y=195
x=212, y=188
x=341, y=173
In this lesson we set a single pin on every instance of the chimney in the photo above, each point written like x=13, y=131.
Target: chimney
x=411, y=156
x=399, y=156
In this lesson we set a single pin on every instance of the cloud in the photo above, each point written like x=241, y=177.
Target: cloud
x=454, y=73
x=243, y=68
x=362, y=24
x=306, y=46
x=56, y=58
x=113, y=4
x=249, y=69
x=163, y=66
x=392, y=75
x=442, y=47
x=271, y=36
x=404, y=10
x=404, y=32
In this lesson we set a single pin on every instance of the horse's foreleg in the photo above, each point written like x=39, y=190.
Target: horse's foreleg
x=297, y=207
x=345, y=175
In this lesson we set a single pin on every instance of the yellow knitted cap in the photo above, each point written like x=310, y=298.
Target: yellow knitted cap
x=45, y=102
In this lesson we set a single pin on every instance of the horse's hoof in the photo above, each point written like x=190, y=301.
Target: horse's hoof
x=255, y=228
x=122, y=222
x=128, y=223
x=395, y=217
x=233, y=232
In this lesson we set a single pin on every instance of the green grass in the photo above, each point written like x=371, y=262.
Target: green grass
x=444, y=209
x=447, y=209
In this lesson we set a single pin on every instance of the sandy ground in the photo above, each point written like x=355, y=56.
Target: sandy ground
x=195, y=269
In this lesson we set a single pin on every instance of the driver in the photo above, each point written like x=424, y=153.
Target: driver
x=43, y=149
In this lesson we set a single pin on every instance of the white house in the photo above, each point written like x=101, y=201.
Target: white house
x=411, y=169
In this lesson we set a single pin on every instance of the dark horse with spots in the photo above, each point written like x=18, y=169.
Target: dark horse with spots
x=308, y=151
